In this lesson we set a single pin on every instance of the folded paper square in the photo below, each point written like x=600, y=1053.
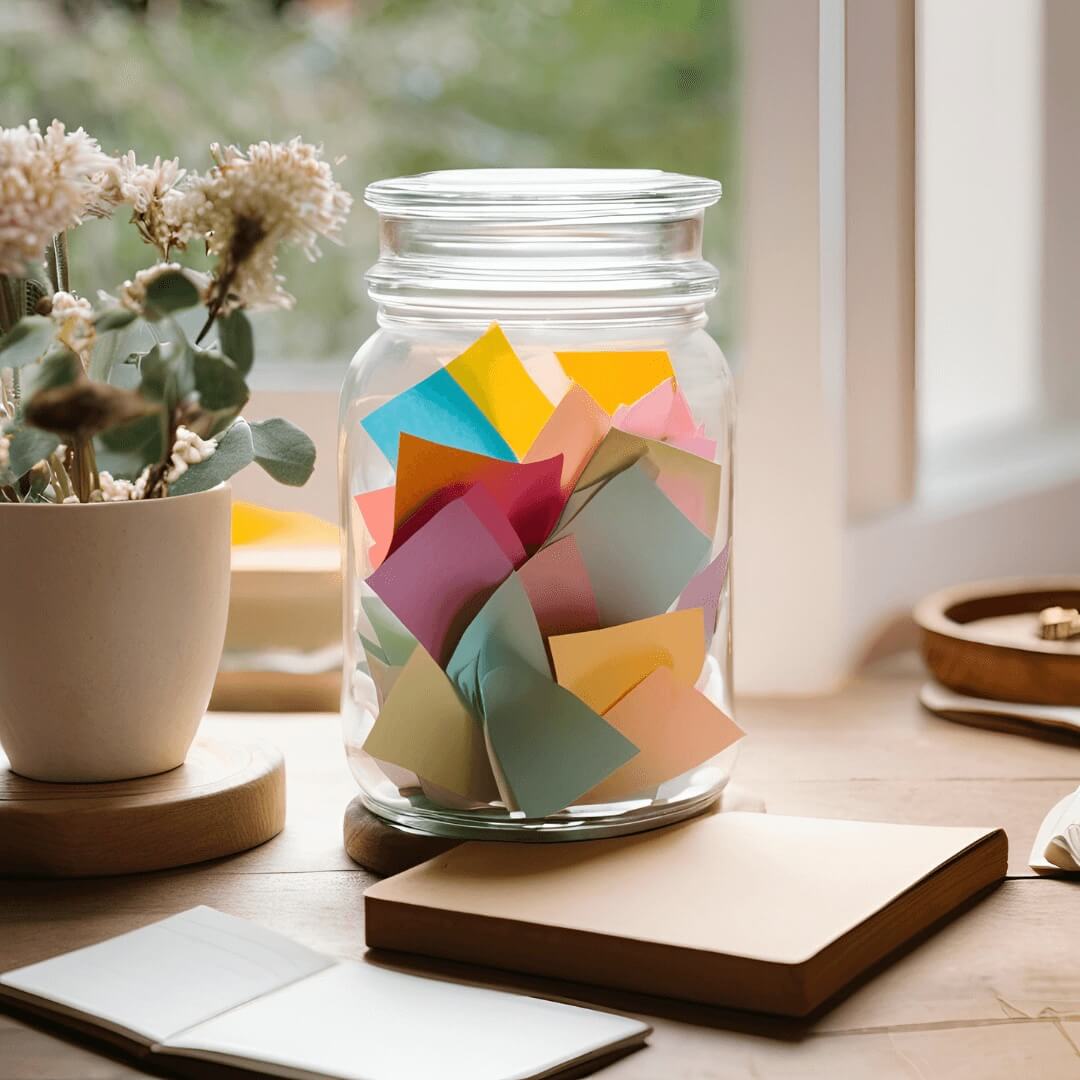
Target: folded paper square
x=691, y=482
x=557, y=584
x=549, y=746
x=431, y=475
x=425, y=727
x=575, y=429
x=617, y=378
x=601, y=666
x=438, y=580
x=675, y=728
x=490, y=372
x=436, y=408
x=639, y=548
x=703, y=591
x=377, y=509
x=503, y=634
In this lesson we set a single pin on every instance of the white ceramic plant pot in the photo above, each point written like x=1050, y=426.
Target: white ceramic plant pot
x=112, y=620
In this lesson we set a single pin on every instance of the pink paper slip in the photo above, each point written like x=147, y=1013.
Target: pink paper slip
x=438, y=580
x=557, y=585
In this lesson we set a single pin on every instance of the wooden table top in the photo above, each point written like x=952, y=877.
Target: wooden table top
x=995, y=993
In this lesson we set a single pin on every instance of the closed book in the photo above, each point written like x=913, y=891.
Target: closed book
x=751, y=911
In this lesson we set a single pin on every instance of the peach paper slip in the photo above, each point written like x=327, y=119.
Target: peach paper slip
x=674, y=727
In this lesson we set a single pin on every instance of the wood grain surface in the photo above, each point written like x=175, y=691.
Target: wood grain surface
x=227, y=797
x=994, y=994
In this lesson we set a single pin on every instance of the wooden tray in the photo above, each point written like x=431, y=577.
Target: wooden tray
x=227, y=797
x=385, y=849
x=983, y=640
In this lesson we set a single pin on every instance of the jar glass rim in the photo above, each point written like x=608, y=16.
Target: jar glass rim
x=543, y=194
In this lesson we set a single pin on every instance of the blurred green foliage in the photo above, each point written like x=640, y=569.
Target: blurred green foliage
x=394, y=86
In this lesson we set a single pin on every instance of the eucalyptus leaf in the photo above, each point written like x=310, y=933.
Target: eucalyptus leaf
x=283, y=451
x=143, y=439
x=60, y=367
x=218, y=381
x=234, y=451
x=167, y=373
x=28, y=447
x=237, y=340
x=171, y=291
x=114, y=319
x=26, y=341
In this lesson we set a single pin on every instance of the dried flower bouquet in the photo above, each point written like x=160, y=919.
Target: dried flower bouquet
x=109, y=401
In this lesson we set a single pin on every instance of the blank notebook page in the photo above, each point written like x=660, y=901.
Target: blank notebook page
x=359, y=1021
x=168, y=976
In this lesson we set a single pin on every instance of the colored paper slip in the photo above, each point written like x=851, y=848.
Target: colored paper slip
x=703, y=592
x=549, y=746
x=438, y=580
x=377, y=509
x=575, y=429
x=639, y=549
x=558, y=587
x=676, y=729
x=601, y=666
x=503, y=634
x=616, y=378
x=691, y=482
x=425, y=727
x=395, y=643
x=663, y=413
x=438, y=409
x=490, y=372
x=431, y=475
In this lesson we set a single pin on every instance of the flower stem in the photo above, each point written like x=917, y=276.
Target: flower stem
x=8, y=318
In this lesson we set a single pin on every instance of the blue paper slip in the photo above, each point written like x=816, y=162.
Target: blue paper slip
x=439, y=410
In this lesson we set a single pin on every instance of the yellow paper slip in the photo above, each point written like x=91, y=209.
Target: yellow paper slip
x=617, y=378
x=425, y=727
x=490, y=372
x=600, y=666
x=675, y=729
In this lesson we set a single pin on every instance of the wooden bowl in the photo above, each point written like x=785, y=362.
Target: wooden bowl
x=983, y=639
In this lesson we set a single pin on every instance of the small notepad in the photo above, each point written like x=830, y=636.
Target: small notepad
x=206, y=985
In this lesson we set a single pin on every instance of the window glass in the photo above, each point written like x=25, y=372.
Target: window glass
x=397, y=86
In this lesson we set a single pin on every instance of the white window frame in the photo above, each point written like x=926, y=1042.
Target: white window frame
x=833, y=541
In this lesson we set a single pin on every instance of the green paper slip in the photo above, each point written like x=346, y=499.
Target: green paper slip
x=548, y=745
x=639, y=548
x=425, y=727
x=395, y=642
x=503, y=634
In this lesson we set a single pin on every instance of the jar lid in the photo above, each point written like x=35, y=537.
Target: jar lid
x=544, y=195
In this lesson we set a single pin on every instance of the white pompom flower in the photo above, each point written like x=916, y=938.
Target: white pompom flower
x=48, y=183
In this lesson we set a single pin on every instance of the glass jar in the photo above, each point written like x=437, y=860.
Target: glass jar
x=593, y=277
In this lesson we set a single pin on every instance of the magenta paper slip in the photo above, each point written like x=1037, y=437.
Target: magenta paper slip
x=438, y=580
x=431, y=475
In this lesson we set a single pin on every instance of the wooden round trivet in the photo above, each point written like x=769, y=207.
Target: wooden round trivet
x=227, y=797
x=385, y=849
x=983, y=640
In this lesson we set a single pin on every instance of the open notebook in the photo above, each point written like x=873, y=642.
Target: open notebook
x=206, y=985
